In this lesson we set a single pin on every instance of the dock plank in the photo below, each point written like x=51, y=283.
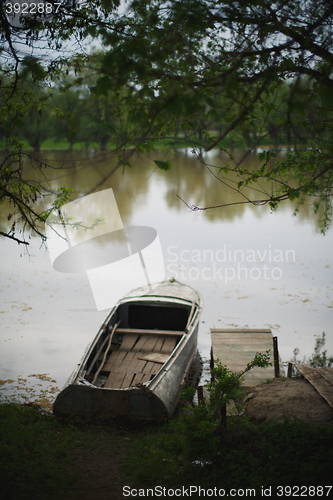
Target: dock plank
x=323, y=386
x=327, y=373
x=220, y=339
x=236, y=339
x=241, y=330
x=236, y=347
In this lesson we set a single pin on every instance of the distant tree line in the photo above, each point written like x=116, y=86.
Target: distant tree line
x=76, y=109
x=68, y=111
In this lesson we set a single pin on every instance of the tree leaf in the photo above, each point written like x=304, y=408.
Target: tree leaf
x=163, y=165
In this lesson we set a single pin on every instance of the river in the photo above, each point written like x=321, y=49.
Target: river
x=253, y=268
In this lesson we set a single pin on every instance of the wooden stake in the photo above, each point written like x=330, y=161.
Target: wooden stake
x=200, y=394
x=276, y=358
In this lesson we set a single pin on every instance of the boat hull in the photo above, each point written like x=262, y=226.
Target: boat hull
x=153, y=400
x=137, y=403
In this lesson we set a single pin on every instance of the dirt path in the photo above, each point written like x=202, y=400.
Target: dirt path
x=286, y=398
x=98, y=464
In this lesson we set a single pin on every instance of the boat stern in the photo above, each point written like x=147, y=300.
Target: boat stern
x=136, y=402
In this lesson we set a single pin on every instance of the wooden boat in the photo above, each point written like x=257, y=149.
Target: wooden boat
x=139, y=358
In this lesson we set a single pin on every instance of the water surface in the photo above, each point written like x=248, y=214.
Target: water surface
x=254, y=268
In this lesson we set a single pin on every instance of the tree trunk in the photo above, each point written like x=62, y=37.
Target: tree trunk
x=36, y=146
x=104, y=143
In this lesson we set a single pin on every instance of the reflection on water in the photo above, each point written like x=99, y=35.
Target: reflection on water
x=253, y=268
x=188, y=180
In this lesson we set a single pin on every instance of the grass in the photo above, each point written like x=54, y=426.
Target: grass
x=63, y=145
x=34, y=454
x=270, y=454
x=44, y=458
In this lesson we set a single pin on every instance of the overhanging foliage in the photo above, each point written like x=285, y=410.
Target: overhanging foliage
x=202, y=70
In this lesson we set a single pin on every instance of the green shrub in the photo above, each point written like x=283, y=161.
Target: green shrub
x=318, y=359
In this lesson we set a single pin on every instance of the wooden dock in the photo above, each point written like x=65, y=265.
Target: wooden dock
x=235, y=348
x=321, y=379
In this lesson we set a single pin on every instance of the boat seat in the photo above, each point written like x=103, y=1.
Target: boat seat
x=144, y=331
x=127, y=366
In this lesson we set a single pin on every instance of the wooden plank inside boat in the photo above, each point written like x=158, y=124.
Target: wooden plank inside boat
x=127, y=380
x=150, y=332
x=140, y=343
x=139, y=379
x=137, y=365
x=159, y=343
x=116, y=377
x=156, y=357
x=169, y=345
x=150, y=343
x=156, y=368
x=138, y=359
x=128, y=342
x=117, y=361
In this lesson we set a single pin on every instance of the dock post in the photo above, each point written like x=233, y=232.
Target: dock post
x=211, y=364
x=200, y=394
x=276, y=358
